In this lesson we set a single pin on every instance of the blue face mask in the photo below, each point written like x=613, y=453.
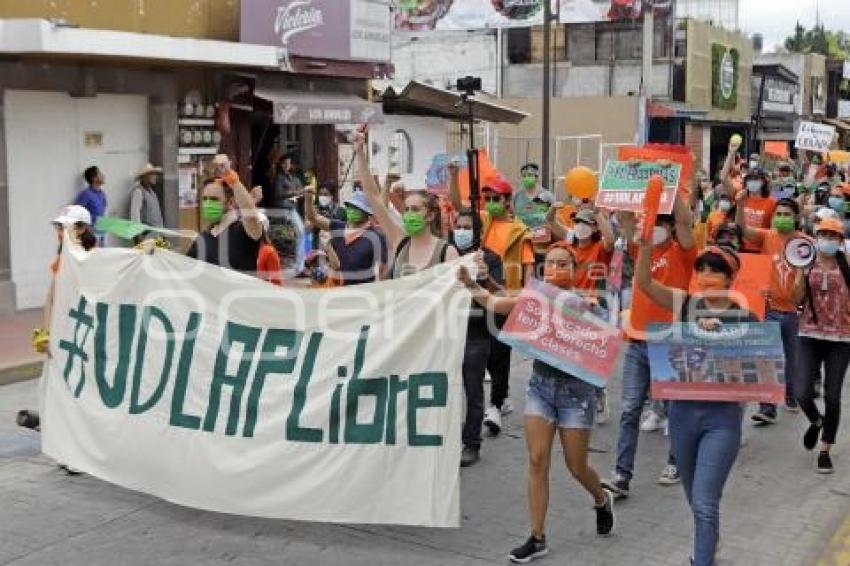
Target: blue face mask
x=836, y=204
x=828, y=247
x=463, y=238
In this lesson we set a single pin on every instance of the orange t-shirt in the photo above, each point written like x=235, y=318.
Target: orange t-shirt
x=671, y=266
x=758, y=214
x=782, y=275
x=268, y=265
x=497, y=239
x=565, y=215
x=591, y=265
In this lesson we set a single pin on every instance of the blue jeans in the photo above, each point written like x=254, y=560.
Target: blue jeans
x=788, y=325
x=705, y=437
x=635, y=393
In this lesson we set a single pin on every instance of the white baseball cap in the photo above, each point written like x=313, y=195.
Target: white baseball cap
x=825, y=212
x=73, y=214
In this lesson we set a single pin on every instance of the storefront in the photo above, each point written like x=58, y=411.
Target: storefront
x=774, y=89
x=75, y=97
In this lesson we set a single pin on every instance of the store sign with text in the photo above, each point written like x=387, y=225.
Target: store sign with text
x=356, y=30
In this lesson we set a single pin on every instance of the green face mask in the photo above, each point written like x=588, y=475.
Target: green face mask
x=783, y=224
x=494, y=209
x=414, y=223
x=354, y=215
x=212, y=210
x=529, y=182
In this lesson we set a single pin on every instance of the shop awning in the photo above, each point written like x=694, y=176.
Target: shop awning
x=419, y=99
x=840, y=124
x=302, y=107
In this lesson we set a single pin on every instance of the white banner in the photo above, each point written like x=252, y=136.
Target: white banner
x=812, y=136
x=844, y=108
x=215, y=390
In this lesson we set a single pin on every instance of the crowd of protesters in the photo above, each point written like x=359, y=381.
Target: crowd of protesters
x=751, y=206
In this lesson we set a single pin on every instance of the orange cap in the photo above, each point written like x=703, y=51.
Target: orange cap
x=830, y=224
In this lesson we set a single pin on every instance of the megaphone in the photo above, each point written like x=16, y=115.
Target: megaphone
x=800, y=252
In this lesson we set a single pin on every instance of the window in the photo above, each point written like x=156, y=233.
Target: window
x=400, y=153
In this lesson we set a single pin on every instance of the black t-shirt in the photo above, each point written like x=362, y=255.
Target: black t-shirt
x=358, y=259
x=695, y=309
x=233, y=248
x=477, y=328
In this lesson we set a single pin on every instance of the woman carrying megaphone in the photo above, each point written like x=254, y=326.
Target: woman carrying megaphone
x=824, y=292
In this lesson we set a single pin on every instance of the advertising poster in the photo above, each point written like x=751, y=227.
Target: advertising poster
x=740, y=362
x=560, y=329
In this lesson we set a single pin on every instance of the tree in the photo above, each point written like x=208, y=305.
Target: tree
x=819, y=40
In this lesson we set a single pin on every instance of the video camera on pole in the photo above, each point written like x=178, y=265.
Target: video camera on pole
x=468, y=86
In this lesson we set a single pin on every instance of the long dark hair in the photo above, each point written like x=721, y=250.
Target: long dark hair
x=87, y=238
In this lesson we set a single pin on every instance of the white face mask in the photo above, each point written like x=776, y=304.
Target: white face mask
x=325, y=201
x=583, y=231
x=463, y=238
x=754, y=185
x=660, y=234
x=724, y=205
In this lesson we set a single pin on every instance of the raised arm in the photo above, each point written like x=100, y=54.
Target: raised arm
x=313, y=217
x=603, y=221
x=392, y=230
x=726, y=171
x=559, y=232
x=683, y=216
x=741, y=220
x=667, y=297
x=244, y=201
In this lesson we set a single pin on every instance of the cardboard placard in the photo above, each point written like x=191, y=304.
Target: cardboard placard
x=812, y=136
x=558, y=328
x=741, y=362
x=623, y=185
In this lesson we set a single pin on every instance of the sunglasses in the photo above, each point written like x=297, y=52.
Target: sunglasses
x=492, y=198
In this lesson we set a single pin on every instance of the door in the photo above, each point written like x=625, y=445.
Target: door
x=50, y=139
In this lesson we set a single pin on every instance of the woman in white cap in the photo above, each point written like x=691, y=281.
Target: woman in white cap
x=77, y=221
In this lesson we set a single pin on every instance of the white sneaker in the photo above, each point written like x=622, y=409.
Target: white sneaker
x=669, y=475
x=507, y=407
x=493, y=420
x=652, y=422
x=487, y=378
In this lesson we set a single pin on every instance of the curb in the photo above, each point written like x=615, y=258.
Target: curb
x=20, y=373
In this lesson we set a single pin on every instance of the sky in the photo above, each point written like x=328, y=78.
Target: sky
x=775, y=19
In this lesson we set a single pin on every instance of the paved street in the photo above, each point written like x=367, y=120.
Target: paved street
x=776, y=511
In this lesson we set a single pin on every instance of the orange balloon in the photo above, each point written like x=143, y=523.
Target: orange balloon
x=581, y=182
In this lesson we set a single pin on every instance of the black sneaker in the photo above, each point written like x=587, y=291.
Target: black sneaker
x=766, y=415
x=824, y=463
x=791, y=405
x=469, y=456
x=605, y=519
x=810, y=438
x=618, y=486
x=533, y=548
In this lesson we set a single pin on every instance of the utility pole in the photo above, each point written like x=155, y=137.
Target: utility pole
x=547, y=89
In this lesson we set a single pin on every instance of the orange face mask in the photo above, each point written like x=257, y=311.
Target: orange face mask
x=707, y=281
x=562, y=278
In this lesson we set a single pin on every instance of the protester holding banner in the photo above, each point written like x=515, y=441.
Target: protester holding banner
x=478, y=340
x=555, y=402
x=779, y=295
x=824, y=292
x=509, y=238
x=704, y=435
x=359, y=247
x=673, y=255
x=231, y=212
x=416, y=245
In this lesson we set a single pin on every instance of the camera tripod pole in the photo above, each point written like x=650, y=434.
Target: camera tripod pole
x=474, y=180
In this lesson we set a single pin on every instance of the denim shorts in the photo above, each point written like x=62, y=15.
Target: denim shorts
x=566, y=401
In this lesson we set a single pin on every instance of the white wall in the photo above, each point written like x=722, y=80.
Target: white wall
x=46, y=155
x=427, y=136
x=583, y=80
x=440, y=58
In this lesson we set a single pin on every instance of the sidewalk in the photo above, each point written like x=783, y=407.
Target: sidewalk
x=776, y=511
x=17, y=359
